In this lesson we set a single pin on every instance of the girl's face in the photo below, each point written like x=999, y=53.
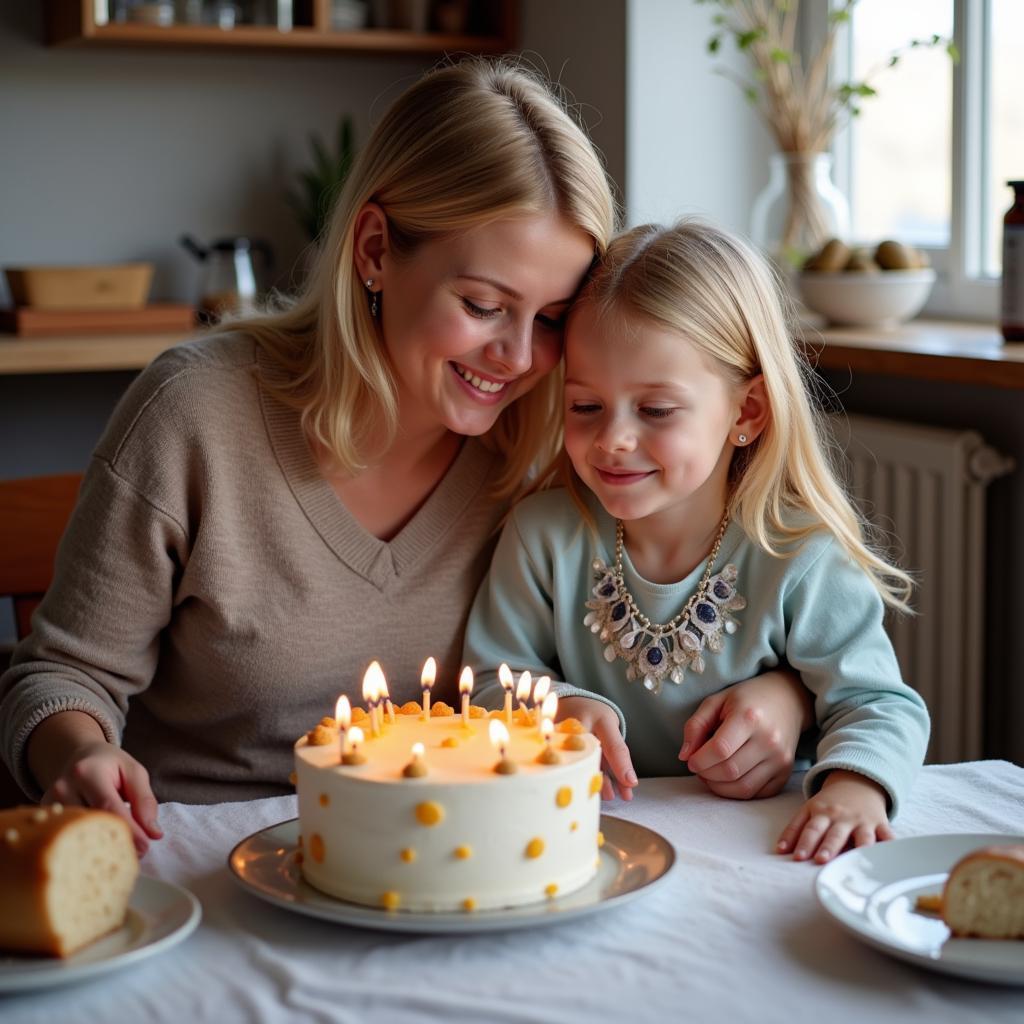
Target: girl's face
x=473, y=321
x=649, y=422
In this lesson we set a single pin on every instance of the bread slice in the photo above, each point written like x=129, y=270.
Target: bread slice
x=984, y=894
x=66, y=875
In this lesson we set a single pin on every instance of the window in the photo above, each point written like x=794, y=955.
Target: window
x=927, y=160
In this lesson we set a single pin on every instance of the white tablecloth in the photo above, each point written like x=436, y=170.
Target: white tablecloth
x=735, y=935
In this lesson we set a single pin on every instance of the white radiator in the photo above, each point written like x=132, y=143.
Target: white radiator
x=923, y=488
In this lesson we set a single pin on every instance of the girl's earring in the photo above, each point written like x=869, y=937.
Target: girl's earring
x=742, y=439
x=374, y=307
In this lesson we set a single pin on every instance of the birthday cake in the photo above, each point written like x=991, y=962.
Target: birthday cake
x=485, y=813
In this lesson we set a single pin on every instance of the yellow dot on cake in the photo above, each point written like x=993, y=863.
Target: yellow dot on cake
x=390, y=900
x=575, y=825
x=535, y=847
x=595, y=784
x=469, y=903
x=600, y=840
x=564, y=796
x=450, y=741
x=408, y=855
x=324, y=799
x=316, y=847
x=463, y=852
x=429, y=813
x=551, y=891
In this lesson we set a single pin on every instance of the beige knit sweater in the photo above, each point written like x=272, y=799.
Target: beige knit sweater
x=213, y=597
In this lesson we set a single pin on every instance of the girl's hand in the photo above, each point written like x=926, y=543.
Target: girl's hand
x=848, y=808
x=741, y=741
x=602, y=721
x=98, y=774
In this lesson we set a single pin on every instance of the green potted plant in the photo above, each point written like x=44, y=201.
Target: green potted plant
x=318, y=186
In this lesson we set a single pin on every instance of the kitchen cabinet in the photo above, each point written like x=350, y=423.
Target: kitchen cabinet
x=492, y=26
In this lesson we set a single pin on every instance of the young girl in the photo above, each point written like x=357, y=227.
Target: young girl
x=701, y=537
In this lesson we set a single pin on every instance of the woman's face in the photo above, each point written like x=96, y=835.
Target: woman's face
x=473, y=321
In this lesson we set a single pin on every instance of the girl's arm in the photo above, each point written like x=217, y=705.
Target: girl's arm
x=742, y=741
x=874, y=727
x=512, y=622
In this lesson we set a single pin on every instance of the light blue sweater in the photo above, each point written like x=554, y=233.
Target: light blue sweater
x=816, y=611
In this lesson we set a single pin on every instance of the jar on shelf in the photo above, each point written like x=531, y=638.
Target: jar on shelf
x=799, y=209
x=1011, y=315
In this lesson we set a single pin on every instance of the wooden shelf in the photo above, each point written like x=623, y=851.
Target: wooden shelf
x=922, y=349
x=78, y=355
x=73, y=22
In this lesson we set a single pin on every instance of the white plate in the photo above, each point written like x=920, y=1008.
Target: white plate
x=159, y=916
x=871, y=891
x=633, y=859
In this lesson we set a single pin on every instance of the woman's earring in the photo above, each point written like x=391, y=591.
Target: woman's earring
x=374, y=307
x=742, y=439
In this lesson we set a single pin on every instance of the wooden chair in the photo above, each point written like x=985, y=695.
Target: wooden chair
x=33, y=515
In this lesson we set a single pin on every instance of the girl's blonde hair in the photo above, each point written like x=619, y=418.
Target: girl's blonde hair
x=468, y=144
x=715, y=291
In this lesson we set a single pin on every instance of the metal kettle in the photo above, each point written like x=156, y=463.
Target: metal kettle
x=232, y=272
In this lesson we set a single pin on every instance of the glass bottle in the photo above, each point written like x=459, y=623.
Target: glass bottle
x=1011, y=316
x=799, y=209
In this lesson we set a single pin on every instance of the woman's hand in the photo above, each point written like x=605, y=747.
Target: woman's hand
x=848, y=808
x=75, y=764
x=741, y=741
x=601, y=720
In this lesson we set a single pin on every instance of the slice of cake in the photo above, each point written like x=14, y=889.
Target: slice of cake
x=66, y=875
x=435, y=815
x=984, y=894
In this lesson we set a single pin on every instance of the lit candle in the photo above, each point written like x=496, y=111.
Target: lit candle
x=540, y=691
x=499, y=739
x=523, y=693
x=505, y=678
x=417, y=767
x=548, y=755
x=427, y=677
x=354, y=755
x=549, y=707
x=387, y=699
x=466, y=688
x=343, y=716
x=372, y=682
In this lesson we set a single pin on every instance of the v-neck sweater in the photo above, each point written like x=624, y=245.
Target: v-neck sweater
x=213, y=597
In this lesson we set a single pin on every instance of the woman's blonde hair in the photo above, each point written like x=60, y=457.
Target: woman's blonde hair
x=468, y=144
x=715, y=291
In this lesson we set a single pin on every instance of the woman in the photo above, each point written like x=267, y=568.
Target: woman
x=278, y=503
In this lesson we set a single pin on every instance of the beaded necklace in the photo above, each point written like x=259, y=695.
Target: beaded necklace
x=654, y=651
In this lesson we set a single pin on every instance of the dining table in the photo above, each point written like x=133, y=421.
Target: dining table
x=733, y=932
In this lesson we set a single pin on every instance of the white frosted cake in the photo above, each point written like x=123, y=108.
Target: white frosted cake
x=461, y=836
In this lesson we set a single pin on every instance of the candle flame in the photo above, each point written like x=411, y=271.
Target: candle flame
x=355, y=736
x=549, y=708
x=540, y=691
x=429, y=673
x=505, y=676
x=523, y=689
x=418, y=750
x=373, y=680
x=547, y=727
x=343, y=712
x=466, y=680
x=498, y=733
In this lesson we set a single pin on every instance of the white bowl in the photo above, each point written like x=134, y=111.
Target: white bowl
x=861, y=299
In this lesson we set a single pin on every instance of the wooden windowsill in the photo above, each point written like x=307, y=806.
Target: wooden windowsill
x=965, y=353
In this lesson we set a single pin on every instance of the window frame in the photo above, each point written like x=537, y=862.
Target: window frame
x=962, y=289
